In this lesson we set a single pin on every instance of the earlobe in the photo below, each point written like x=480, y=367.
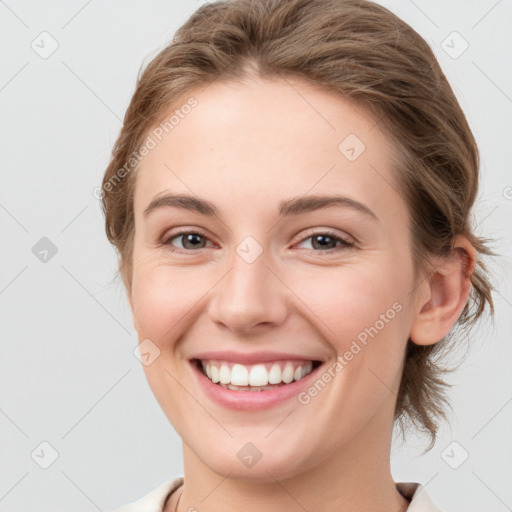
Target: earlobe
x=444, y=294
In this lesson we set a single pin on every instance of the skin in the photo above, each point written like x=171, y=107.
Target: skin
x=246, y=147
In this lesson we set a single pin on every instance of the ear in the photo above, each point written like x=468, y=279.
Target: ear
x=443, y=294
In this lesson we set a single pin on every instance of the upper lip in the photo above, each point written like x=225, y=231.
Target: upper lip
x=252, y=357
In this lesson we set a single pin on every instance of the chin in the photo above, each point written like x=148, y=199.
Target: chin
x=259, y=462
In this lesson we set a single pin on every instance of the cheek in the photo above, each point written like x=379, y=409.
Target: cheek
x=162, y=299
x=364, y=319
x=348, y=303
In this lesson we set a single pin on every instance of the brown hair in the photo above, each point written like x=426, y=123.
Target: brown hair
x=365, y=53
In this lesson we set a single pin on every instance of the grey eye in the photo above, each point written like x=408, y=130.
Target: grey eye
x=189, y=240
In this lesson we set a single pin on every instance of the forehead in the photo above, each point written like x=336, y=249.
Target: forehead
x=268, y=139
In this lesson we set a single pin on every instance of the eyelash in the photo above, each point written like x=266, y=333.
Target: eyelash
x=344, y=243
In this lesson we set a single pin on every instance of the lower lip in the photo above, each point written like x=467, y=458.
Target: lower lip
x=251, y=400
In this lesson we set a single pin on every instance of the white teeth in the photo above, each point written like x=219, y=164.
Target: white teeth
x=256, y=377
x=306, y=370
x=274, y=375
x=239, y=375
x=225, y=374
x=288, y=373
x=215, y=373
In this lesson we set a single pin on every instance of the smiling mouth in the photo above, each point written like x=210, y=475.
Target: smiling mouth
x=255, y=377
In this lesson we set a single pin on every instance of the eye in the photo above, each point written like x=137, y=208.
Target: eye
x=326, y=242
x=322, y=241
x=189, y=241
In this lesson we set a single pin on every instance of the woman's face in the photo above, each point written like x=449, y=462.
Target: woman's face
x=259, y=276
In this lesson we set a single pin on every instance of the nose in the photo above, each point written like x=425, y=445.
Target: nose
x=249, y=297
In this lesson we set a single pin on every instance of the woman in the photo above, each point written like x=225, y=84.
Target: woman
x=290, y=198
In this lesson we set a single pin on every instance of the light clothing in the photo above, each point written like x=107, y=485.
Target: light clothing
x=156, y=499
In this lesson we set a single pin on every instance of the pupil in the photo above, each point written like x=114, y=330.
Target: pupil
x=192, y=238
x=323, y=240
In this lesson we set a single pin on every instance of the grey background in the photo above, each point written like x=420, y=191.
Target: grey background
x=68, y=375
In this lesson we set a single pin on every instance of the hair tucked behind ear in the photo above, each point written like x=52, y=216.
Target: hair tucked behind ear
x=366, y=54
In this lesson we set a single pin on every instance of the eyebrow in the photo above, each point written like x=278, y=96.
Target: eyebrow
x=293, y=206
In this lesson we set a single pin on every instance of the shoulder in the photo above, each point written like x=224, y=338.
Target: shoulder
x=419, y=499
x=153, y=501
